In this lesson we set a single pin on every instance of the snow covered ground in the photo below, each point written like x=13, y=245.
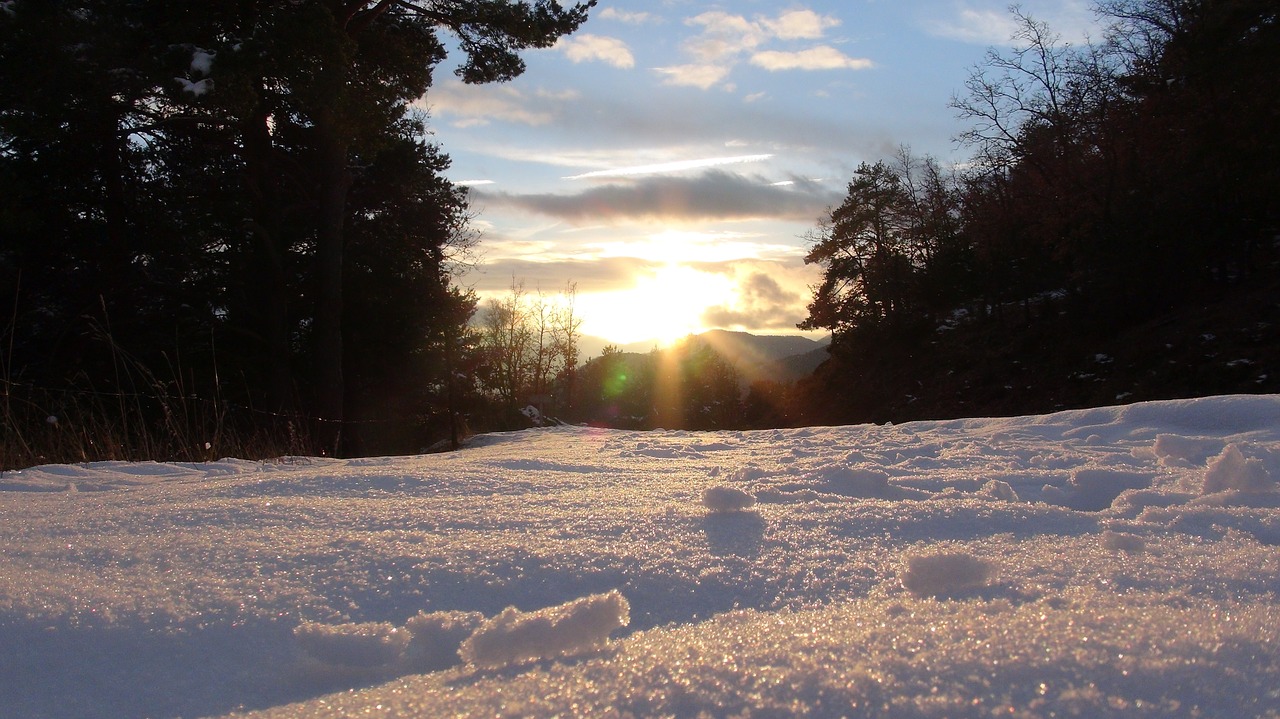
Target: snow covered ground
x=1109, y=562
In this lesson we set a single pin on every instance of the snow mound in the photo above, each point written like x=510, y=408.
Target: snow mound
x=852, y=482
x=722, y=498
x=514, y=636
x=1093, y=490
x=1230, y=470
x=945, y=573
x=1176, y=450
x=362, y=645
x=1122, y=542
x=998, y=490
x=436, y=638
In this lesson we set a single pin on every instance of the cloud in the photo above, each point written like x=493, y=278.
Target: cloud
x=703, y=77
x=725, y=39
x=800, y=25
x=822, y=57
x=976, y=25
x=985, y=22
x=588, y=48
x=591, y=274
x=471, y=105
x=762, y=303
x=713, y=195
x=674, y=166
x=723, y=36
x=633, y=18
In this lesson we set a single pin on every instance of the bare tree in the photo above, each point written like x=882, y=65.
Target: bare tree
x=565, y=337
x=1010, y=93
x=531, y=342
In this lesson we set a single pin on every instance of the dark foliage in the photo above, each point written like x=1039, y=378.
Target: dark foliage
x=233, y=205
x=1115, y=240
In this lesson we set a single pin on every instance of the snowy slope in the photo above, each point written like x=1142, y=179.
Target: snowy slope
x=1109, y=562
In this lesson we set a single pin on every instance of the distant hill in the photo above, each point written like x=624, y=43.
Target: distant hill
x=771, y=357
x=775, y=357
x=795, y=367
x=590, y=346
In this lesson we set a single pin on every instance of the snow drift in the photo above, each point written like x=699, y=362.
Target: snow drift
x=515, y=636
x=1110, y=562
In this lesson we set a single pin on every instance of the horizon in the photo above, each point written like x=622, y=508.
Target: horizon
x=670, y=162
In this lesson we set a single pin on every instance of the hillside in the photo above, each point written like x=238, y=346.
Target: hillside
x=1046, y=359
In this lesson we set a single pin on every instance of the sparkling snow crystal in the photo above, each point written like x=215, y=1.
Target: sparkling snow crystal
x=727, y=499
x=149, y=589
x=945, y=573
x=369, y=644
x=1230, y=470
x=515, y=636
x=436, y=638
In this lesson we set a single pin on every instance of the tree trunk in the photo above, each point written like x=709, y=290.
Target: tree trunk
x=270, y=279
x=334, y=181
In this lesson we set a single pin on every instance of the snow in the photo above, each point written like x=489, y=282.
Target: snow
x=202, y=61
x=721, y=498
x=197, y=88
x=1110, y=562
x=515, y=636
x=945, y=573
x=369, y=644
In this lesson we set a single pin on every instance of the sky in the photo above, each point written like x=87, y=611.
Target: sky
x=671, y=158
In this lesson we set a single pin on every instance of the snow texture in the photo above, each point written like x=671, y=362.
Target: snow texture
x=1230, y=470
x=727, y=499
x=202, y=61
x=1108, y=562
x=945, y=573
x=368, y=644
x=515, y=636
x=437, y=636
x=198, y=88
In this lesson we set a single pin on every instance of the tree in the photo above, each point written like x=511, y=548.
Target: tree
x=883, y=249
x=565, y=336
x=531, y=346
x=240, y=169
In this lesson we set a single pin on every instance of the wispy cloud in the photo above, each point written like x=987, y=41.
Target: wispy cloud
x=472, y=105
x=703, y=77
x=726, y=39
x=633, y=18
x=723, y=36
x=666, y=167
x=597, y=48
x=800, y=25
x=713, y=195
x=761, y=303
x=592, y=274
x=822, y=57
x=983, y=26
x=989, y=22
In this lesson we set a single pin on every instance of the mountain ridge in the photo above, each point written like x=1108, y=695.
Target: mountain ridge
x=755, y=356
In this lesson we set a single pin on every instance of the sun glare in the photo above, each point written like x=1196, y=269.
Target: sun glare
x=663, y=306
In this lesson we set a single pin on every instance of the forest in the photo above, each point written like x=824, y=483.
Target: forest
x=270, y=268
x=1113, y=239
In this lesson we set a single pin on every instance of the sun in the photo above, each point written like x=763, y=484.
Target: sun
x=664, y=305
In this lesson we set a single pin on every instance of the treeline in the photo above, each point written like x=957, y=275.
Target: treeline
x=225, y=228
x=526, y=368
x=1114, y=237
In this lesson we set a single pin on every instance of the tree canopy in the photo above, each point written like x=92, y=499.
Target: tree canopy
x=1113, y=188
x=241, y=199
